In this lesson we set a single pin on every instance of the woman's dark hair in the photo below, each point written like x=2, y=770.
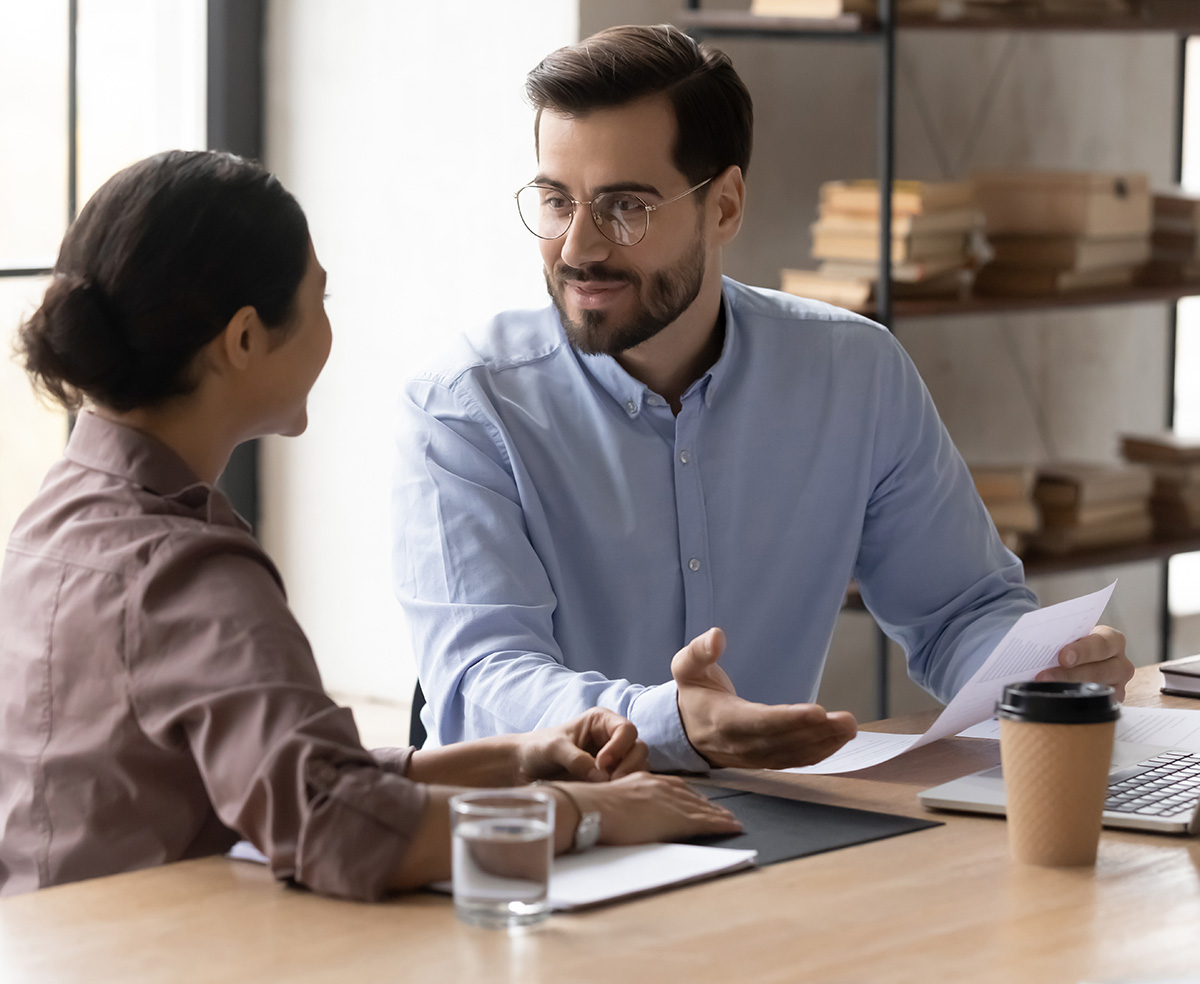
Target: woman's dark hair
x=152, y=270
x=713, y=109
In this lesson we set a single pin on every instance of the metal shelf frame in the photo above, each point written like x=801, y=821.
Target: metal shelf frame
x=882, y=30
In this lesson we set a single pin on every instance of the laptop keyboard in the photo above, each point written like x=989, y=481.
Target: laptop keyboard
x=1166, y=784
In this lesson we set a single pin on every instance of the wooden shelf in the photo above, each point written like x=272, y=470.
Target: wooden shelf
x=1126, y=24
x=1130, y=553
x=1038, y=565
x=848, y=26
x=938, y=307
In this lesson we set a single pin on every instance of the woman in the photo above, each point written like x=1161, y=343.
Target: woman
x=159, y=699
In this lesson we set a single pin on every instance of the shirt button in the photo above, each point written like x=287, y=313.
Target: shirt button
x=685, y=456
x=630, y=406
x=694, y=564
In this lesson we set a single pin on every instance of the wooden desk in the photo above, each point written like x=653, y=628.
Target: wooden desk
x=937, y=905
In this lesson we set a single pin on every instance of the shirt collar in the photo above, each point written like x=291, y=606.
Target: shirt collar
x=631, y=394
x=126, y=453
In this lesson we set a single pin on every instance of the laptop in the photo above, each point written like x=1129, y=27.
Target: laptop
x=1150, y=788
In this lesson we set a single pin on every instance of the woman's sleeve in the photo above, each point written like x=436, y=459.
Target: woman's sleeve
x=218, y=664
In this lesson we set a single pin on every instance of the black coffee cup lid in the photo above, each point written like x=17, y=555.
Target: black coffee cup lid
x=1059, y=703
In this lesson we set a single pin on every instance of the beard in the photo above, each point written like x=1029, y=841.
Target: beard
x=667, y=295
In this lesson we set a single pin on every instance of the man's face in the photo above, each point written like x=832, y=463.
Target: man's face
x=610, y=297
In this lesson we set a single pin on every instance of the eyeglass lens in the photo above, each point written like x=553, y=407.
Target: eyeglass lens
x=547, y=212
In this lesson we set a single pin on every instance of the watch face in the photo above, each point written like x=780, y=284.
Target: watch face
x=588, y=831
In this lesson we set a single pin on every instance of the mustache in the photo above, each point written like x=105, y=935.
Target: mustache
x=564, y=273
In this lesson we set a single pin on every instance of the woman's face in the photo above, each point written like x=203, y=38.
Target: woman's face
x=295, y=363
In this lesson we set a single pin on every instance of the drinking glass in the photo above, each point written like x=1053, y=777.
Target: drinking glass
x=503, y=842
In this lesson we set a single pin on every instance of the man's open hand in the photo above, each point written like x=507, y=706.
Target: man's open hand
x=731, y=732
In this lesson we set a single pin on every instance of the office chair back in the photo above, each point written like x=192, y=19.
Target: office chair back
x=416, y=730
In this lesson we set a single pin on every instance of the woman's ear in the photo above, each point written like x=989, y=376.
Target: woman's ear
x=238, y=344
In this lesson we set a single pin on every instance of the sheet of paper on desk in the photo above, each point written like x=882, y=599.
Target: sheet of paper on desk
x=607, y=874
x=1030, y=646
x=1174, y=727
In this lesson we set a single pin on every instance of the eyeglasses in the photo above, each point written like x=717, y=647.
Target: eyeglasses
x=621, y=216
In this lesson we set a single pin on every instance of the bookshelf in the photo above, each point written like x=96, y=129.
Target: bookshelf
x=881, y=30
x=744, y=24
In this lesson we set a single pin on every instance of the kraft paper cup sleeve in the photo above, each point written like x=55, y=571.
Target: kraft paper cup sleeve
x=1056, y=781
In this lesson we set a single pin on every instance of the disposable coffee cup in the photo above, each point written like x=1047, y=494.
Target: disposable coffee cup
x=503, y=843
x=1056, y=742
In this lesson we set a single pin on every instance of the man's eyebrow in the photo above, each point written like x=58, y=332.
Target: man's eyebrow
x=635, y=186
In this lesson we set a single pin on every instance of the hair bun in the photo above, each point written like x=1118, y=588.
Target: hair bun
x=75, y=342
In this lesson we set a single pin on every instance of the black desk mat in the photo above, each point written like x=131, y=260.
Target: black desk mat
x=781, y=829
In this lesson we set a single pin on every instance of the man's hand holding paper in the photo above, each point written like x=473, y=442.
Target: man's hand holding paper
x=1098, y=657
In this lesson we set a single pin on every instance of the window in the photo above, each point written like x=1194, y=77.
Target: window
x=100, y=84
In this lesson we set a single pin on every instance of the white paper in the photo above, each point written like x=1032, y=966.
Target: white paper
x=1030, y=646
x=984, y=729
x=604, y=874
x=607, y=873
x=245, y=851
x=1171, y=727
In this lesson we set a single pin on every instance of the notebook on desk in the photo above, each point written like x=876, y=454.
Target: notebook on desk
x=1150, y=788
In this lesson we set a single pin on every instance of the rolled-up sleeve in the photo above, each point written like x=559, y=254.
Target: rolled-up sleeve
x=218, y=665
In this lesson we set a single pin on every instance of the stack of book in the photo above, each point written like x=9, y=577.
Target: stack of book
x=932, y=228
x=946, y=9
x=1007, y=492
x=1181, y=676
x=812, y=8
x=1174, y=240
x=1175, y=463
x=1056, y=231
x=1085, y=506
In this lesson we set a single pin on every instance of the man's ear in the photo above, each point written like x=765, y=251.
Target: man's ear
x=237, y=345
x=729, y=196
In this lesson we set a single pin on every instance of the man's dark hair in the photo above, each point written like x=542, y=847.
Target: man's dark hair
x=158, y=262
x=713, y=109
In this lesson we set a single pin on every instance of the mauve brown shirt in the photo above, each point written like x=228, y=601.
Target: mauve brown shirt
x=158, y=699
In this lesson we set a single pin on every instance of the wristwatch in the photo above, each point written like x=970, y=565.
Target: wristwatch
x=588, y=830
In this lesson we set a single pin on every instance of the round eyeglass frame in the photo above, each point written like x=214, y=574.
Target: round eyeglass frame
x=596, y=216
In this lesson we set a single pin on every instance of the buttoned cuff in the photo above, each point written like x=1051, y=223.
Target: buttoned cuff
x=655, y=713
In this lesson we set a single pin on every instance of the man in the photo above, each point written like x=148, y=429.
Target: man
x=582, y=489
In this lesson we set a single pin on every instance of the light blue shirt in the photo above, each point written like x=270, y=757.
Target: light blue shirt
x=560, y=534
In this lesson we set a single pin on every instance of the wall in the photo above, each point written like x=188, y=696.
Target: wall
x=402, y=129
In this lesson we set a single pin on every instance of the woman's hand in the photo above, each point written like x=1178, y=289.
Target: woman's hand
x=642, y=808
x=596, y=746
